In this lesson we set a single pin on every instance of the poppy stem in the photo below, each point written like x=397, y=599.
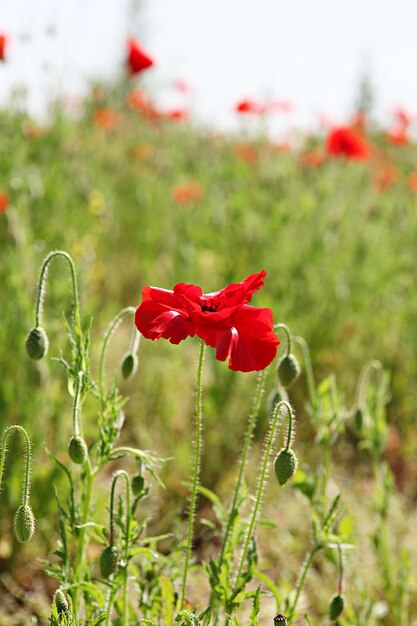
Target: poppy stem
x=196, y=470
x=287, y=331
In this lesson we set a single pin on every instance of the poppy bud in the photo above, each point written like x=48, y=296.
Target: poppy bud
x=285, y=465
x=77, y=450
x=336, y=606
x=24, y=523
x=276, y=395
x=358, y=419
x=280, y=619
x=61, y=602
x=138, y=483
x=129, y=365
x=288, y=369
x=36, y=343
x=108, y=561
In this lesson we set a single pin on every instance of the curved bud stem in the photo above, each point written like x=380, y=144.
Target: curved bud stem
x=269, y=443
x=26, y=477
x=116, y=476
x=287, y=331
x=76, y=414
x=364, y=378
x=42, y=283
x=130, y=310
x=312, y=391
x=290, y=431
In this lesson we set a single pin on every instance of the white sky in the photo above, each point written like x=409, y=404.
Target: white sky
x=309, y=51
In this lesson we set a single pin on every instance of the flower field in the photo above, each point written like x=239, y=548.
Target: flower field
x=221, y=460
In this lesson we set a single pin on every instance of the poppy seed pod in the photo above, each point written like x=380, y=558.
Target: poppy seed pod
x=24, y=523
x=336, y=606
x=129, y=365
x=108, y=561
x=285, y=465
x=288, y=369
x=61, y=602
x=280, y=619
x=77, y=450
x=138, y=483
x=37, y=343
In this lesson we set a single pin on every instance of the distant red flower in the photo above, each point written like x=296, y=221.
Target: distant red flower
x=412, y=181
x=137, y=59
x=3, y=42
x=278, y=106
x=398, y=136
x=386, y=176
x=4, y=202
x=222, y=319
x=141, y=102
x=183, y=86
x=106, y=118
x=312, y=158
x=347, y=142
x=249, y=107
x=402, y=117
x=246, y=152
x=184, y=193
x=176, y=115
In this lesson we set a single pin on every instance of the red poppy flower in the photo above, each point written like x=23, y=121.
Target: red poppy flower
x=176, y=115
x=249, y=106
x=398, y=136
x=402, y=117
x=3, y=41
x=346, y=142
x=184, y=193
x=4, y=202
x=137, y=59
x=412, y=181
x=223, y=319
x=106, y=118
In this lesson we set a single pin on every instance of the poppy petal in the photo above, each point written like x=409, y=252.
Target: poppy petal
x=240, y=293
x=254, y=344
x=154, y=321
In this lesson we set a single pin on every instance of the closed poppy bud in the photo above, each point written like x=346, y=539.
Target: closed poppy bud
x=24, y=523
x=285, y=465
x=336, y=606
x=288, y=369
x=108, y=561
x=37, y=343
x=77, y=450
x=138, y=484
x=61, y=602
x=129, y=365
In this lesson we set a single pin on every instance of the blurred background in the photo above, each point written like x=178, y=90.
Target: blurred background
x=226, y=137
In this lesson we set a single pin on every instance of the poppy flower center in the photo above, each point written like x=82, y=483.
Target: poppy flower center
x=210, y=305
x=212, y=308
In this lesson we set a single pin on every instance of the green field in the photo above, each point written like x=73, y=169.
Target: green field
x=341, y=259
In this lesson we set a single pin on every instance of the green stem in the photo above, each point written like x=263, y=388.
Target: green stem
x=307, y=563
x=246, y=447
x=363, y=381
x=130, y=310
x=76, y=416
x=311, y=385
x=341, y=570
x=287, y=331
x=26, y=477
x=41, y=288
x=196, y=471
x=117, y=475
x=79, y=563
x=264, y=471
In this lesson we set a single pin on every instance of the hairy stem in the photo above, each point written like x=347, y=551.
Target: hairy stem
x=196, y=470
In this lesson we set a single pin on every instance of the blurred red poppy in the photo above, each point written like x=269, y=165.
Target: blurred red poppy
x=137, y=59
x=346, y=142
x=222, y=319
x=249, y=106
x=183, y=86
x=385, y=177
x=402, y=117
x=3, y=42
x=4, y=202
x=176, y=115
x=412, y=181
x=313, y=158
x=398, y=136
x=184, y=193
x=106, y=118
